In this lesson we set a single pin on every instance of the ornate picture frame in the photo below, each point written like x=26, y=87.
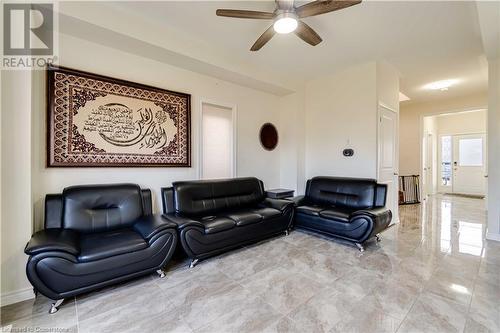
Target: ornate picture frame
x=99, y=121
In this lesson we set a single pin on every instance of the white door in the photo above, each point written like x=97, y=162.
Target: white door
x=428, y=156
x=469, y=159
x=387, y=158
x=217, y=142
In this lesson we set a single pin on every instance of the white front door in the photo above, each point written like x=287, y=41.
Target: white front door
x=387, y=159
x=469, y=158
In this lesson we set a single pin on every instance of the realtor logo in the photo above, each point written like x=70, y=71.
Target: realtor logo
x=28, y=35
x=28, y=29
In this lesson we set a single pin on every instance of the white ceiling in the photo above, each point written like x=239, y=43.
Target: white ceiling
x=425, y=40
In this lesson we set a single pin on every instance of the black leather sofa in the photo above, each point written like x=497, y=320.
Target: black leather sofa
x=346, y=208
x=214, y=216
x=94, y=236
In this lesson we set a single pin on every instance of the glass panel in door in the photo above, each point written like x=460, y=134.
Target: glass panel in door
x=468, y=164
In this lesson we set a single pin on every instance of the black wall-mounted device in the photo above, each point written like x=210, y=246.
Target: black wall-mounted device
x=348, y=152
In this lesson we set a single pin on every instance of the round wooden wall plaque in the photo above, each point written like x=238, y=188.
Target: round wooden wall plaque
x=268, y=136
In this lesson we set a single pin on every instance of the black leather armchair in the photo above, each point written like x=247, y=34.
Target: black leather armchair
x=346, y=208
x=214, y=216
x=94, y=236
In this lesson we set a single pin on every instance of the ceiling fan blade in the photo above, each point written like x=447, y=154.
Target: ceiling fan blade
x=322, y=7
x=247, y=14
x=284, y=4
x=263, y=39
x=307, y=34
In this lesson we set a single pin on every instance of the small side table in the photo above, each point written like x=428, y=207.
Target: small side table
x=280, y=193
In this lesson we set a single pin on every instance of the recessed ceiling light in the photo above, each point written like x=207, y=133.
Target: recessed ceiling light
x=403, y=97
x=442, y=85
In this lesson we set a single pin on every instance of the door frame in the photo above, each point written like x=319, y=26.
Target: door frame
x=442, y=189
x=421, y=133
x=396, y=155
x=234, y=143
x=428, y=169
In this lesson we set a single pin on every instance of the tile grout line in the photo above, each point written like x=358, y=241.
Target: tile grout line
x=416, y=299
x=473, y=291
x=407, y=313
x=77, y=319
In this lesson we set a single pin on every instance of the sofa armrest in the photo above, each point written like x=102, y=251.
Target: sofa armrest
x=63, y=240
x=379, y=213
x=182, y=222
x=278, y=204
x=150, y=225
x=299, y=200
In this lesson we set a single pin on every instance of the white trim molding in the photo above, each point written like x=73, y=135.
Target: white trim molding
x=17, y=296
x=493, y=236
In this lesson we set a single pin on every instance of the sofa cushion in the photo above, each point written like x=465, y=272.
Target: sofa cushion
x=217, y=224
x=96, y=208
x=110, y=243
x=244, y=218
x=309, y=210
x=337, y=214
x=209, y=197
x=267, y=213
x=342, y=192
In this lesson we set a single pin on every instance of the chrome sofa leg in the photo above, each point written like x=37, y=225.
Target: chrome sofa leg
x=360, y=247
x=193, y=263
x=54, y=307
x=287, y=232
x=377, y=237
x=161, y=273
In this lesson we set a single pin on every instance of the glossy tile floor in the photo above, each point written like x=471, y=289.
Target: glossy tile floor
x=434, y=272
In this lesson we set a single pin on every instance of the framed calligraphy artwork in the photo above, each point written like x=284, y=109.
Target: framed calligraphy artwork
x=98, y=121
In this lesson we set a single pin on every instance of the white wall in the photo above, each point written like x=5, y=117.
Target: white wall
x=388, y=86
x=341, y=113
x=16, y=213
x=292, y=142
x=462, y=123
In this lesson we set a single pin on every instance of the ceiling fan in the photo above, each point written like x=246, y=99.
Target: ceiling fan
x=287, y=18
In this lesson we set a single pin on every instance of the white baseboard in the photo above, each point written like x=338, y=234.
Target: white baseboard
x=492, y=236
x=16, y=296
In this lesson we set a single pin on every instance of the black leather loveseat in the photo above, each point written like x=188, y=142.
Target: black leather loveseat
x=94, y=236
x=214, y=216
x=346, y=208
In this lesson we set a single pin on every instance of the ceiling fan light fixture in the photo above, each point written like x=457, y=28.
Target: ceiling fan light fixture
x=285, y=23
